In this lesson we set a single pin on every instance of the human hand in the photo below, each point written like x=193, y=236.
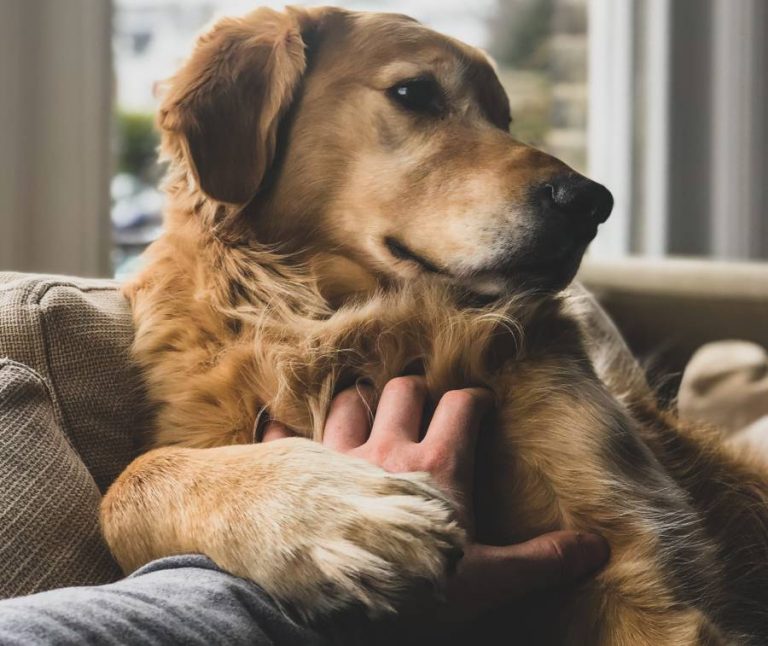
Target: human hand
x=487, y=576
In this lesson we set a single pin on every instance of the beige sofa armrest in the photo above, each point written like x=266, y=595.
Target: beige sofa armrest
x=669, y=308
x=76, y=333
x=71, y=412
x=49, y=530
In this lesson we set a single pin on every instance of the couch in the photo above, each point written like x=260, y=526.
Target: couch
x=78, y=408
x=70, y=409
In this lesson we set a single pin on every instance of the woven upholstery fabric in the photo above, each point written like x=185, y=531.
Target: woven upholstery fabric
x=49, y=533
x=71, y=409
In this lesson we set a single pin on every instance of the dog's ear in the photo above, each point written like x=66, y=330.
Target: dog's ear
x=221, y=111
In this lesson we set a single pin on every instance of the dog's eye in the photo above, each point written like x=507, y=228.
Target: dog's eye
x=418, y=95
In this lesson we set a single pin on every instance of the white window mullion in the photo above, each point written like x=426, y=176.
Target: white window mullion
x=739, y=103
x=611, y=114
x=656, y=169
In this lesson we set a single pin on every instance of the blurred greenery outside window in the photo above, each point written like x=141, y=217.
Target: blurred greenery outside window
x=540, y=47
x=136, y=200
x=541, y=50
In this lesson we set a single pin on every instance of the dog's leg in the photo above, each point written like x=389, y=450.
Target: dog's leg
x=601, y=616
x=319, y=531
x=729, y=488
x=606, y=348
x=727, y=485
x=567, y=454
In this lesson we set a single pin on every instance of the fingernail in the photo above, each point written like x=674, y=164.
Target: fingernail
x=595, y=552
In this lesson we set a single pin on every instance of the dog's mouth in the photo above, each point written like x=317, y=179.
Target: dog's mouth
x=402, y=252
x=550, y=274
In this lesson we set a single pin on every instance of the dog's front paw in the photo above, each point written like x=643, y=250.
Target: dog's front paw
x=327, y=532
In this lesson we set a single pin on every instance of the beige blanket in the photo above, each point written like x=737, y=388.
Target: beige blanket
x=726, y=384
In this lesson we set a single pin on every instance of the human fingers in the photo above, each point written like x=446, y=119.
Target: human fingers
x=349, y=419
x=456, y=421
x=490, y=576
x=275, y=431
x=400, y=409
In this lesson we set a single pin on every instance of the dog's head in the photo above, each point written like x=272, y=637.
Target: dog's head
x=374, y=139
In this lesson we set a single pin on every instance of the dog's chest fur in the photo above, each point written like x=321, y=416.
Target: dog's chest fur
x=255, y=336
x=223, y=338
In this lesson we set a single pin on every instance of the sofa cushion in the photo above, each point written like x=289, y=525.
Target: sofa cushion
x=64, y=344
x=49, y=533
x=668, y=308
x=76, y=333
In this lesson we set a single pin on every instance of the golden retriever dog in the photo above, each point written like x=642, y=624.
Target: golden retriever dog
x=346, y=204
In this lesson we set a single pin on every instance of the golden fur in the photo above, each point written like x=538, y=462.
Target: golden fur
x=270, y=290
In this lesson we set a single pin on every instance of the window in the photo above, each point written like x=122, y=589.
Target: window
x=678, y=107
x=540, y=47
x=664, y=101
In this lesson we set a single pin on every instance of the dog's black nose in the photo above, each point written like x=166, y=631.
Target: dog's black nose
x=565, y=211
x=577, y=197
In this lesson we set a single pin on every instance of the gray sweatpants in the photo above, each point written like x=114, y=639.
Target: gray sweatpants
x=176, y=600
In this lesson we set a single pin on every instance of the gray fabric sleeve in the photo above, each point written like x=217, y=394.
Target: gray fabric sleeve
x=177, y=600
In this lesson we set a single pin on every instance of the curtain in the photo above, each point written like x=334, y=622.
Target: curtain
x=55, y=120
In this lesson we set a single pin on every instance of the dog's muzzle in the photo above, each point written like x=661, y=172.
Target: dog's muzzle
x=563, y=215
x=575, y=205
